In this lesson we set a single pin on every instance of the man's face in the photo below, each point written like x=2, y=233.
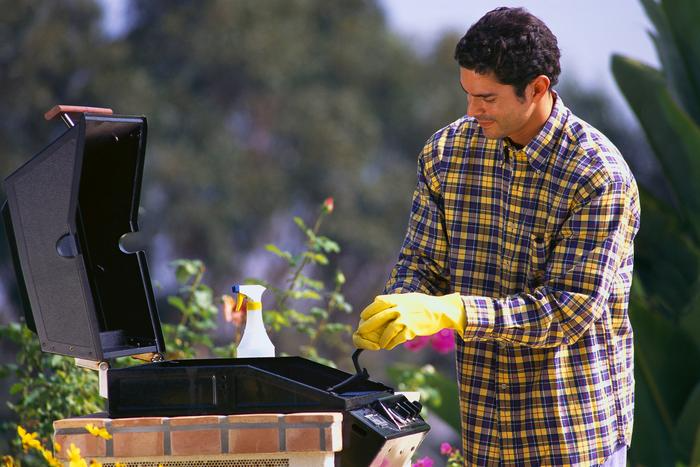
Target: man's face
x=499, y=111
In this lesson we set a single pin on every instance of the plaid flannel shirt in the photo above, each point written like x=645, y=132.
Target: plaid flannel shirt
x=539, y=243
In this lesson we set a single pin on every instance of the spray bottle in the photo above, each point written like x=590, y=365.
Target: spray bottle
x=255, y=341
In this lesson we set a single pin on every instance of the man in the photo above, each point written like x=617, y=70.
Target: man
x=520, y=239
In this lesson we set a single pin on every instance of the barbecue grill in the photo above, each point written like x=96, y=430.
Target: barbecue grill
x=71, y=220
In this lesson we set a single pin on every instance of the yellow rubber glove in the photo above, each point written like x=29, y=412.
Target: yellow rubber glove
x=393, y=319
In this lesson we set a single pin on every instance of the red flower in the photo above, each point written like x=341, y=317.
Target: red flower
x=424, y=462
x=417, y=343
x=443, y=341
x=328, y=205
x=445, y=449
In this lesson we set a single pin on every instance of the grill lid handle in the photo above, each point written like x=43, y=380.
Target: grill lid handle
x=360, y=375
x=71, y=113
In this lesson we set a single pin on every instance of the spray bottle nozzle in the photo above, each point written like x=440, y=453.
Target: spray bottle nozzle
x=250, y=293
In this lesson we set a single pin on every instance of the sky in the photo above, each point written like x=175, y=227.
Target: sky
x=588, y=32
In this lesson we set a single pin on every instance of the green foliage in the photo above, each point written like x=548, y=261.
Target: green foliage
x=322, y=305
x=412, y=378
x=437, y=393
x=665, y=301
x=190, y=336
x=666, y=399
x=45, y=387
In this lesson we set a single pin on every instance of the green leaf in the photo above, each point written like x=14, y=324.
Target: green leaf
x=687, y=427
x=651, y=440
x=185, y=269
x=667, y=369
x=181, y=275
x=683, y=19
x=690, y=322
x=177, y=302
x=203, y=298
x=671, y=132
x=276, y=251
x=666, y=259
x=276, y=320
x=300, y=318
x=337, y=328
x=303, y=227
x=318, y=313
x=318, y=258
x=327, y=245
x=56, y=360
x=695, y=455
x=300, y=223
x=305, y=294
x=314, y=284
x=671, y=51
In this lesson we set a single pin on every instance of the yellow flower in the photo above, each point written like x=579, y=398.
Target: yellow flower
x=100, y=432
x=56, y=447
x=9, y=461
x=94, y=463
x=50, y=459
x=29, y=440
x=119, y=464
x=76, y=460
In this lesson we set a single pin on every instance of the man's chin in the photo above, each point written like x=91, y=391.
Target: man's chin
x=491, y=131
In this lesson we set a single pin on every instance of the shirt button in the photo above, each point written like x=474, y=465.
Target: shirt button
x=504, y=386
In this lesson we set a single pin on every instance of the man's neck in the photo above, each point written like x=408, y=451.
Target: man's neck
x=539, y=117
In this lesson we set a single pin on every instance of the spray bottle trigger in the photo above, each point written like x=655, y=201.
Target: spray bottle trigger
x=239, y=301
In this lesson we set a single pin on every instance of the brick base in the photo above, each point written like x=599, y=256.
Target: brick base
x=165, y=437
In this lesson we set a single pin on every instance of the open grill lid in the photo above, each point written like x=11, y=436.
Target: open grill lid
x=71, y=219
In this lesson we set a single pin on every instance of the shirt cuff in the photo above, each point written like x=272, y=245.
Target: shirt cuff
x=480, y=317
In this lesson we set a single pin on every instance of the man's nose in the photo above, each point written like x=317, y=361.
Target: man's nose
x=473, y=107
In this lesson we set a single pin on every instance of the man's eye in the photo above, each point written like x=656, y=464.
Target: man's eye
x=489, y=100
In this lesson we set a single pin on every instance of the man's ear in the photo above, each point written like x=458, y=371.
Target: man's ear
x=539, y=87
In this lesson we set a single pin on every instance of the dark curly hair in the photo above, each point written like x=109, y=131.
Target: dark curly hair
x=513, y=44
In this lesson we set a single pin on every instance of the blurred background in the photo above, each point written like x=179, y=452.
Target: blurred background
x=260, y=110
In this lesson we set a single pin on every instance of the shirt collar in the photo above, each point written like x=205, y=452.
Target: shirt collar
x=540, y=147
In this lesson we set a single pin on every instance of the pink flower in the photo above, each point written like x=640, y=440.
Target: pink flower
x=328, y=205
x=417, y=343
x=424, y=462
x=443, y=341
x=445, y=449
